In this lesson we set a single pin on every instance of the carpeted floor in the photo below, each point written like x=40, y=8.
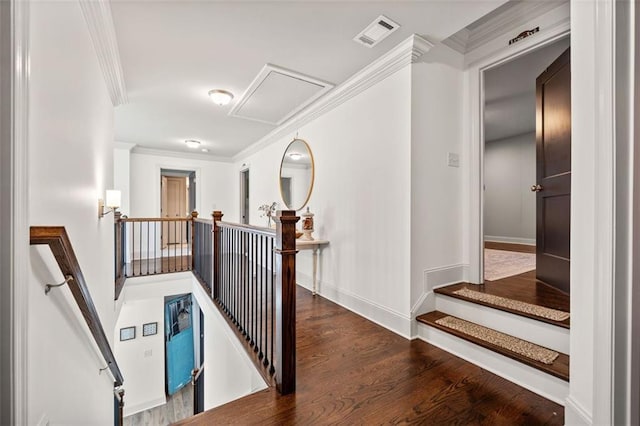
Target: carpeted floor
x=500, y=264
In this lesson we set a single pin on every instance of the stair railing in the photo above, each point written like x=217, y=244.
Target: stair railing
x=58, y=241
x=251, y=279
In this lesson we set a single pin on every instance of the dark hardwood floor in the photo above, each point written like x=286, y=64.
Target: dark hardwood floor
x=520, y=248
x=523, y=287
x=352, y=371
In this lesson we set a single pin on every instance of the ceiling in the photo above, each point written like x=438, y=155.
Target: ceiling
x=510, y=92
x=174, y=52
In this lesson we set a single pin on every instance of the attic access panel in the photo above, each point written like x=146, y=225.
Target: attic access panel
x=276, y=94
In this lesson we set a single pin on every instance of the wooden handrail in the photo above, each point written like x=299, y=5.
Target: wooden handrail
x=156, y=219
x=243, y=227
x=58, y=241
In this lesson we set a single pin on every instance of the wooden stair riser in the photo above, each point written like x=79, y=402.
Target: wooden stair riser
x=540, y=333
x=521, y=374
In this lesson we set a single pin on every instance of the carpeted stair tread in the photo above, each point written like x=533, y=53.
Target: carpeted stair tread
x=454, y=291
x=504, y=302
x=559, y=367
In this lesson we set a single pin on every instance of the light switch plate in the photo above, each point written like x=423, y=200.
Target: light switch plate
x=453, y=159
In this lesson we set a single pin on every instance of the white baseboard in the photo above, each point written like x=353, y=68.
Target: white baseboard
x=543, y=384
x=434, y=278
x=381, y=315
x=575, y=414
x=510, y=240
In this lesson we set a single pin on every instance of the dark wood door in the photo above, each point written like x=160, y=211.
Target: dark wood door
x=553, y=186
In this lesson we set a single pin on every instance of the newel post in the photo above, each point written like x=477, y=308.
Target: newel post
x=285, y=301
x=194, y=216
x=217, y=217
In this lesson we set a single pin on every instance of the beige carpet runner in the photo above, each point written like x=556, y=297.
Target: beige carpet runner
x=514, y=344
x=516, y=305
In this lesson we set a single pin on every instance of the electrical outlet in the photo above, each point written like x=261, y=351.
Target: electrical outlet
x=148, y=353
x=453, y=159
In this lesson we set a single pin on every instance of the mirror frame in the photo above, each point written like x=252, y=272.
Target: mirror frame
x=313, y=173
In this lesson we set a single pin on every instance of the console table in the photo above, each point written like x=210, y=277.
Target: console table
x=315, y=245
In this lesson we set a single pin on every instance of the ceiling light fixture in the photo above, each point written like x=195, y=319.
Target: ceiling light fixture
x=205, y=150
x=295, y=156
x=220, y=97
x=192, y=143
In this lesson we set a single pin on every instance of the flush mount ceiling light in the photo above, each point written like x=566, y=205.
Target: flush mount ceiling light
x=220, y=97
x=205, y=150
x=295, y=156
x=192, y=143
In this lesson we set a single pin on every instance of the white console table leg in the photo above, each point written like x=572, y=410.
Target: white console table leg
x=315, y=268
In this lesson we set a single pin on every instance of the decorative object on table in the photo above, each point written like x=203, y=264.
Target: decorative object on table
x=127, y=333
x=307, y=225
x=149, y=329
x=268, y=211
x=296, y=174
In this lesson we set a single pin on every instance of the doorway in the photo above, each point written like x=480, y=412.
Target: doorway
x=244, y=196
x=179, y=351
x=177, y=199
x=512, y=216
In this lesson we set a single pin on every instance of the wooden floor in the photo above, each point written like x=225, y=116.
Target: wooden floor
x=159, y=265
x=178, y=407
x=352, y=371
x=520, y=248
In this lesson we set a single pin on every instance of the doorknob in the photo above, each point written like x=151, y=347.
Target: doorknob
x=536, y=188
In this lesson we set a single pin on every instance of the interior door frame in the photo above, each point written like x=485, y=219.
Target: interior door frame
x=476, y=154
x=242, y=192
x=157, y=203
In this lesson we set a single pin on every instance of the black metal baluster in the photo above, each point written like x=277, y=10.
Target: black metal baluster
x=254, y=292
x=270, y=250
x=261, y=299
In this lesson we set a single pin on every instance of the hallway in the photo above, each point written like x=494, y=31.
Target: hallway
x=352, y=371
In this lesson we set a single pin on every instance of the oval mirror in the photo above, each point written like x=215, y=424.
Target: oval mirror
x=296, y=175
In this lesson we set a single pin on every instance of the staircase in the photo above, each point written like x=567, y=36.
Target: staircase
x=548, y=380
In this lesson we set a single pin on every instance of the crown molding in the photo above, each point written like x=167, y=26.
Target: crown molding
x=125, y=145
x=519, y=14
x=407, y=52
x=458, y=41
x=499, y=23
x=174, y=154
x=97, y=14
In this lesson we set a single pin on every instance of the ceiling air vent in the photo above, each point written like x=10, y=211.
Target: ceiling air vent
x=377, y=31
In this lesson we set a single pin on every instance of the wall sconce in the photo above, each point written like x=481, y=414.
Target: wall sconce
x=112, y=204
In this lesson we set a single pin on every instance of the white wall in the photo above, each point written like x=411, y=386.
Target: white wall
x=142, y=360
x=361, y=199
x=436, y=187
x=229, y=374
x=70, y=166
x=121, y=173
x=216, y=184
x=509, y=204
